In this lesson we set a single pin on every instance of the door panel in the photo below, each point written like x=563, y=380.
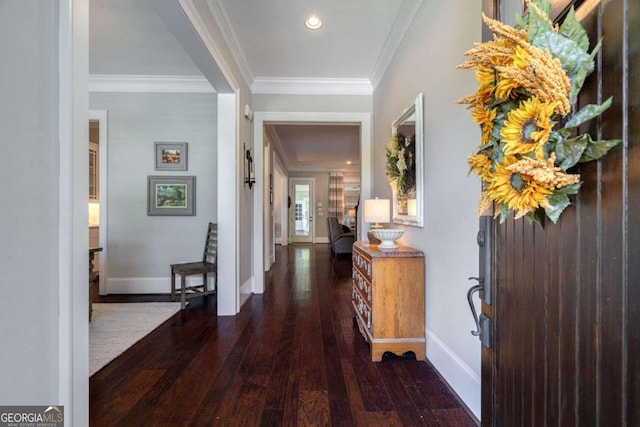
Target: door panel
x=565, y=306
x=302, y=215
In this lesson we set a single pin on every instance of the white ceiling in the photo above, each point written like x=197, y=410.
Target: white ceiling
x=275, y=42
x=127, y=37
x=269, y=41
x=314, y=147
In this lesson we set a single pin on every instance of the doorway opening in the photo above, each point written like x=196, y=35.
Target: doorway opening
x=98, y=143
x=260, y=219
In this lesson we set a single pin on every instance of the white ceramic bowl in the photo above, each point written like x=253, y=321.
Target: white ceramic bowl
x=388, y=236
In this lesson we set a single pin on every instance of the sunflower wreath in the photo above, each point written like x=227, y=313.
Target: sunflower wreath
x=529, y=78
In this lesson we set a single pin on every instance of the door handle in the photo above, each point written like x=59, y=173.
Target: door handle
x=483, y=323
x=476, y=288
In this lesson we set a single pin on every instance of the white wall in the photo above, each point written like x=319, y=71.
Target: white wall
x=425, y=62
x=28, y=212
x=141, y=247
x=43, y=254
x=214, y=40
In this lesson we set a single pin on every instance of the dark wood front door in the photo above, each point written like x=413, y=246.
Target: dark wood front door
x=565, y=314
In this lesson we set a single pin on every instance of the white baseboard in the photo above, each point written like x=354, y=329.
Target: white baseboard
x=149, y=285
x=247, y=287
x=322, y=240
x=464, y=381
x=246, y=290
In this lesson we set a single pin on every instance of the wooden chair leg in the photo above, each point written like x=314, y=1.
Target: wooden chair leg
x=173, y=285
x=183, y=292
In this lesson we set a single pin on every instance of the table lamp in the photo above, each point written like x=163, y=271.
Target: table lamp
x=377, y=211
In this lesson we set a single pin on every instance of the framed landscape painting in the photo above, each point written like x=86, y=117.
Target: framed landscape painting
x=171, y=156
x=171, y=195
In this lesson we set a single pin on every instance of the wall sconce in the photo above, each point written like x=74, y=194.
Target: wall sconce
x=249, y=173
x=248, y=112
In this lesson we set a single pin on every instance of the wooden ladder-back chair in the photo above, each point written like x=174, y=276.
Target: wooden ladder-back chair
x=205, y=267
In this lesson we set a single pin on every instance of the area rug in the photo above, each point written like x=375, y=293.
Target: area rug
x=116, y=327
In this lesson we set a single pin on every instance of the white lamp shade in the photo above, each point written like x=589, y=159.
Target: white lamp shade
x=377, y=210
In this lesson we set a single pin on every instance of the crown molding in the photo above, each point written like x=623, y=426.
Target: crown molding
x=302, y=168
x=402, y=21
x=160, y=84
x=311, y=86
x=221, y=15
x=211, y=44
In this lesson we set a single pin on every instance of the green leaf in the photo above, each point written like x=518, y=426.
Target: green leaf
x=595, y=50
x=572, y=29
x=496, y=131
x=578, y=80
x=597, y=149
x=497, y=156
x=536, y=217
x=504, y=212
x=539, y=24
x=569, y=151
x=564, y=133
x=558, y=204
x=486, y=146
x=569, y=189
x=576, y=83
x=587, y=113
x=573, y=58
x=544, y=5
x=521, y=22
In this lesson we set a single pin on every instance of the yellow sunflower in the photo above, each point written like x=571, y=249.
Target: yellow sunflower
x=486, y=77
x=518, y=191
x=506, y=85
x=528, y=127
x=480, y=165
x=484, y=118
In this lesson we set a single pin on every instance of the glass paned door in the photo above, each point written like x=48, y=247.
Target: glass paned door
x=302, y=212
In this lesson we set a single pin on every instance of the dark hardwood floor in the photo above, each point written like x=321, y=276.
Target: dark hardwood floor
x=291, y=357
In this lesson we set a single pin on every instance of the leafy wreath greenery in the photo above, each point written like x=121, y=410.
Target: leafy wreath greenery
x=529, y=78
x=401, y=164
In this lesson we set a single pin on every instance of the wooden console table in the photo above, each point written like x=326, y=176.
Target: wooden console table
x=93, y=276
x=388, y=299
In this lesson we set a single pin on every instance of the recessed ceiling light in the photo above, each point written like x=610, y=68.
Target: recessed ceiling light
x=313, y=23
x=349, y=162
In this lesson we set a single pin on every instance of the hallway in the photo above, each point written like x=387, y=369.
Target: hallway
x=291, y=357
